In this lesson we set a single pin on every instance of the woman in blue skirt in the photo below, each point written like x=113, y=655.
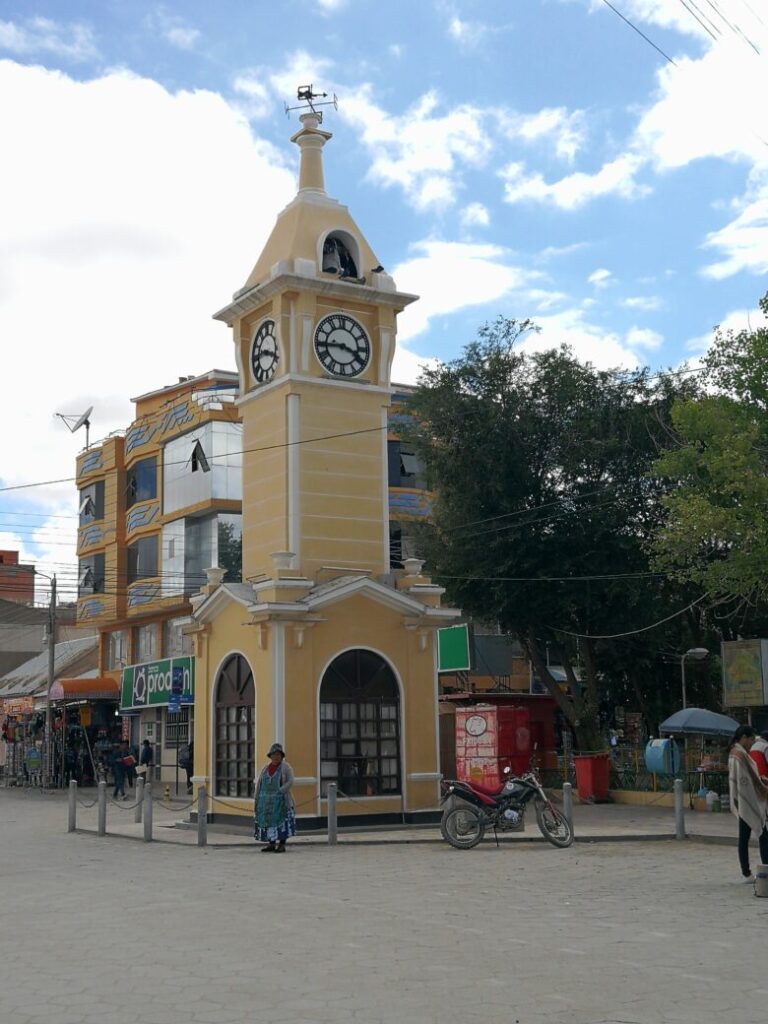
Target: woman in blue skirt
x=274, y=816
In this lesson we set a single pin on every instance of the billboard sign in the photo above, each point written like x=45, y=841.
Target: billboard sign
x=745, y=668
x=157, y=684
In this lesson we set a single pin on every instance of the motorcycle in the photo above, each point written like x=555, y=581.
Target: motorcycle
x=471, y=809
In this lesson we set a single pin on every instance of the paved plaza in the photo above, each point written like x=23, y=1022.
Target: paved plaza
x=114, y=931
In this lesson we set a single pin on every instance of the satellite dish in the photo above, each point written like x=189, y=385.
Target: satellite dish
x=79, y=421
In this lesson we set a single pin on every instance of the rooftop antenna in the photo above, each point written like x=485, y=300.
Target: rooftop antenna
x=307, y=95
x=75, y=422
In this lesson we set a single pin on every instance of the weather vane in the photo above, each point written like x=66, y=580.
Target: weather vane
x=307, y=95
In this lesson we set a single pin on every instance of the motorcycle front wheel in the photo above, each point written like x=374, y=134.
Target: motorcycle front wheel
x=554, y=827
x=463, y=827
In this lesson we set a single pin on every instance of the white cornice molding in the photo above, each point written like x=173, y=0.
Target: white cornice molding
x=323, y=381
x=362, y=586
x=254, y=297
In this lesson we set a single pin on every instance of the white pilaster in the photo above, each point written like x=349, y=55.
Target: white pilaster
x=278, y=682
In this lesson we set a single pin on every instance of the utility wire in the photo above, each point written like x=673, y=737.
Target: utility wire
x=632, y=632
x=639, y=32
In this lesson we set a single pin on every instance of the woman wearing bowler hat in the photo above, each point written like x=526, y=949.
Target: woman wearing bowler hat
x=274, y=817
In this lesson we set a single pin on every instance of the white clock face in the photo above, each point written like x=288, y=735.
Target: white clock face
x=476, y=725
x=342, y=345
x=265, y=354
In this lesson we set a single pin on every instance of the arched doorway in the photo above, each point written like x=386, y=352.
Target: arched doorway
x=235, y=699
x=360, y=726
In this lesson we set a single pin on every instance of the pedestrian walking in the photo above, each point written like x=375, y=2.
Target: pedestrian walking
x=146, y=760
x=749, y=797
x=274, y=815
x=187, y=762
x=119, y=770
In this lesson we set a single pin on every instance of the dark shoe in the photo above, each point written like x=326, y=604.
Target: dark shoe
x=269, y=848
x=280, y=848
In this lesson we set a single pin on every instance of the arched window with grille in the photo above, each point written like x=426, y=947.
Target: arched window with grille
x=360, y=726
x=234, y=748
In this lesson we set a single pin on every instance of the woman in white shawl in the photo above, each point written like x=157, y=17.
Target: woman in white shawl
x=749, y=797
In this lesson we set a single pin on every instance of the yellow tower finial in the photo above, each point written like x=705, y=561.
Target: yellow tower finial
x=310, y=139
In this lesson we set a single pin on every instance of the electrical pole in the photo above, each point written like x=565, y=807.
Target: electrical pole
x=48, y=751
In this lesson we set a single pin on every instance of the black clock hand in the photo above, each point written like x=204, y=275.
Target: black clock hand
x=343, y=345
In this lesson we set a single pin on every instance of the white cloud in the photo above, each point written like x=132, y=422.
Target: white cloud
x=544, y=300
x=617, y=177
x=600, y=278
x=395, y=50
x=475, y=215
x=257, y=100
x=467, y=33
x=648, y=303
x=566, y=130
x=737, y=320
x=173, y=29
x=73, y=42
x=656, y=12
x=711, y=107
x=421, y=151
x=130, y=242
x=331, y=6
x=449, y=276
x=643, y=337
x=590, y=342
x=556, y=251
x=744, y=241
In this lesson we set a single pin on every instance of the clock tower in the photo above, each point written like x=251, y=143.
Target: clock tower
x=314, y=332
x=320, y=649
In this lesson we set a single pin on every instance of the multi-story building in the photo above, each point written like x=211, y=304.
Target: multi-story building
x=159, y=504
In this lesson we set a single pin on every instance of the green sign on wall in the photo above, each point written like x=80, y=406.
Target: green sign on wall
x=151, y=684
x=453, y=649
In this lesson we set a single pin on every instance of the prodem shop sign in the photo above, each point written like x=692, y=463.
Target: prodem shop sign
x=157, y=683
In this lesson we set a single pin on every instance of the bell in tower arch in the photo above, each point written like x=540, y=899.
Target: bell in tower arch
x=337, y=258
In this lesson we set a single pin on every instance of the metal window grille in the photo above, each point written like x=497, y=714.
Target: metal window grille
x=360, y=747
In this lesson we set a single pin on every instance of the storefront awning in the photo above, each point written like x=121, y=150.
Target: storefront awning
x=100, y=688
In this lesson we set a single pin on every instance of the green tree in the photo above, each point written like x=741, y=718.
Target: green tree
x=716, y=530
x=545, y=504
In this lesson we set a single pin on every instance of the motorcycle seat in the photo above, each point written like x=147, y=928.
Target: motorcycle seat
x=486, y=791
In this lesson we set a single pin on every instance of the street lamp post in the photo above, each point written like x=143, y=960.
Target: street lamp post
x=698, y=654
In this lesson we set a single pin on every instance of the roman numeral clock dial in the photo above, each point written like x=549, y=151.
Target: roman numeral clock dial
x=265, y=353
x=342, y=346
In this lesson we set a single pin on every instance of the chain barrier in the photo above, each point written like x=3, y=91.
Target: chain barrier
x=363, y=803
x=170, y=806
x=84, y=804
x=123, y=806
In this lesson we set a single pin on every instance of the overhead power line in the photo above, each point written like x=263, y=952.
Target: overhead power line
x=642, y=34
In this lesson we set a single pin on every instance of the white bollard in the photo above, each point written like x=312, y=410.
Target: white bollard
x=202, y=817
x=679, y=810
x=147, y=814
x=332, y=819
x=72, y=825
x=568, y=803
x=139, y=799
x=102, y=809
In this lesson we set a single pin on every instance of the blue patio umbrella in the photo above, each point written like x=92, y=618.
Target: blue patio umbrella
x=699, y=722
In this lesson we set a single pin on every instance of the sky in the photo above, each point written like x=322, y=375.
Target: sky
x=600, y=169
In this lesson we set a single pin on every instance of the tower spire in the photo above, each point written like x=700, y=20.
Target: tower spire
x=310, y=139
